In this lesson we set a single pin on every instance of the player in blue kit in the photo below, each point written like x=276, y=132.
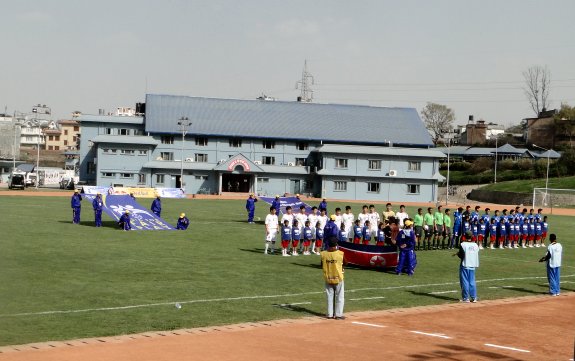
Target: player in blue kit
x=307, y=238
x=124, y=221
x=319, y=235
x=380, y=237
x=183, y=222
x=538, y=233
x=465, y=226
x=342, y=234
x=286, y=237
x=357, y=234
x=531, y=231
x=295, y=237
x=475, y=232
x=501, y=234
x=97, y=204
x=251, y=208
x=492, y=233
x=76, y=204
x=517, y=228
x=511, y=232
x=525, y=233
x=157, y=206
x=457, y=223
x=544, y=229
x=482, y=233
x=366, y=233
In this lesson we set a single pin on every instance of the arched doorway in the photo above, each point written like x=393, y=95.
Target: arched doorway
x=237, y=181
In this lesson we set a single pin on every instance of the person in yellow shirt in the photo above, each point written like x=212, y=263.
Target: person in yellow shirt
x=332, y=263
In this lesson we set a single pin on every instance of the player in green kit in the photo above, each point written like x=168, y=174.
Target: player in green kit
x=447, y=228
x=438, y=229
x=428, y=226
x=418, y=224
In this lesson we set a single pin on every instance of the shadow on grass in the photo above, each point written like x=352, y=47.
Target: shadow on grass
x=439, y=297
x=91, y=224
x=260, y=222
x=299, y=309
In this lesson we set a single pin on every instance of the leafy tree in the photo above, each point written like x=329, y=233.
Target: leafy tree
x=564, y=122
x=438, y=119
x=537, y=84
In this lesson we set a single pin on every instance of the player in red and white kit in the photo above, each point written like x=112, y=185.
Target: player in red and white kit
x=271, y=230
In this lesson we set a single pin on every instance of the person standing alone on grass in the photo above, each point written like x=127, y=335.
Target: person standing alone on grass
x=76, y=204
x=97, y=204
x=332, y=262
x=157, y=206
x=405, y=242
x=469, y=255
x=251, y=208
x=553, y=259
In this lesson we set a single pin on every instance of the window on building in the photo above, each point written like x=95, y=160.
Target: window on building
x=269, y=144
x=142, y=152
x=138, y=131
x=56, y=147
x=108, y=131
x=201, y=141
x=413, y=188
x=302, y=146
x=167, y=155
x=374, y=164
x=65, y=142
x=50, y=137
x=76, y=128
x=268, y=160
x=300, y=161
x=235, y=143
x=124, y=131
x=65, y=131
x=373, y=187
x=57, y=138
x=126, y=175
x=107, y=174
x=308, y=185
x=340, y=186
x=201, y=157
x=263, y=180
x=50, y=147
x=414, y=166
x=340, y=163
x=90, y=168
x=201, y=177
x=74, y=138
x=29, y=139
x=167, y=139
x=114, y=151
x=160, y=178
x=141, y=178
x=128, y=151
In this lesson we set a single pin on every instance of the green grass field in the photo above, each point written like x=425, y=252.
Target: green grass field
x=527, y=185
x=64, y=281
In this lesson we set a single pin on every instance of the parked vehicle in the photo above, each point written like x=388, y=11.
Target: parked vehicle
x=17, y=181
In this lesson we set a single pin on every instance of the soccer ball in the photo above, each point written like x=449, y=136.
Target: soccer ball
x=377, y=261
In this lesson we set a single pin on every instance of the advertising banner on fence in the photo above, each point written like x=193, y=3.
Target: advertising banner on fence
x=93, y=190
x=137, y=192
x=140, y=217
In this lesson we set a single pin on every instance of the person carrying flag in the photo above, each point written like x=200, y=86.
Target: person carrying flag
x=76, y=204
x=97, y=204
x=251, y=208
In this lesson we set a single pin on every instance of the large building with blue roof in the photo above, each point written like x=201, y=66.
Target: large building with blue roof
x=265, y=147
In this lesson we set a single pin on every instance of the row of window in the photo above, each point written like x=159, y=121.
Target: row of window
x=123, y=131
x=160, y=178
x=373, y=187
x=125, y=151
x=233, y=142
x=376, y=165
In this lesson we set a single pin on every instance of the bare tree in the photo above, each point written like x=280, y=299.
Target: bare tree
x=537, y=82
x=438, y=119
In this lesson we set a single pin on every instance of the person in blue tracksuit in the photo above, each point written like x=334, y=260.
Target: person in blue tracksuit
x=124, y=221
x=405, y=242
x=76, y=204
x=183, y=222
x=251, y=208
x=323, y=205
x=276, y=203
x=457, y=222
x=330, y=230
x=98, y=204
x=469, y=255
x=157, y=206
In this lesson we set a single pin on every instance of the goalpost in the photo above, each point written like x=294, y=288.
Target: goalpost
x=553, y=197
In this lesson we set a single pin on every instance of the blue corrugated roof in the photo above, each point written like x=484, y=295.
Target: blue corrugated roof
x=287, y=120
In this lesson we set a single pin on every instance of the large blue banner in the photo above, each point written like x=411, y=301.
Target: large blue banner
x=140, y=217
x=294, y=202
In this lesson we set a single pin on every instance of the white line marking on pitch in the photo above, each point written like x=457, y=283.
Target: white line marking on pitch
x=506, y=348
x=366, y=298
x=368, y=324
x=440, y=335
x=256, y=297
x=501, y=287
x=442, y=292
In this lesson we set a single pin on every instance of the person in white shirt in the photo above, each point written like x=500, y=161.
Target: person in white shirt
x=338, y=218
x=363, y=216
x=401, y=215
x=313, y=218
x=469, y=255
x=271, y=230
x=322, y=218
x=374, y=220
x=301, y=219
x=553, y=259
x=288, y=216
x=347, y=220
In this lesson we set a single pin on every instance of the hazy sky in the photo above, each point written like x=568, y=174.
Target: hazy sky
x=469, y=55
